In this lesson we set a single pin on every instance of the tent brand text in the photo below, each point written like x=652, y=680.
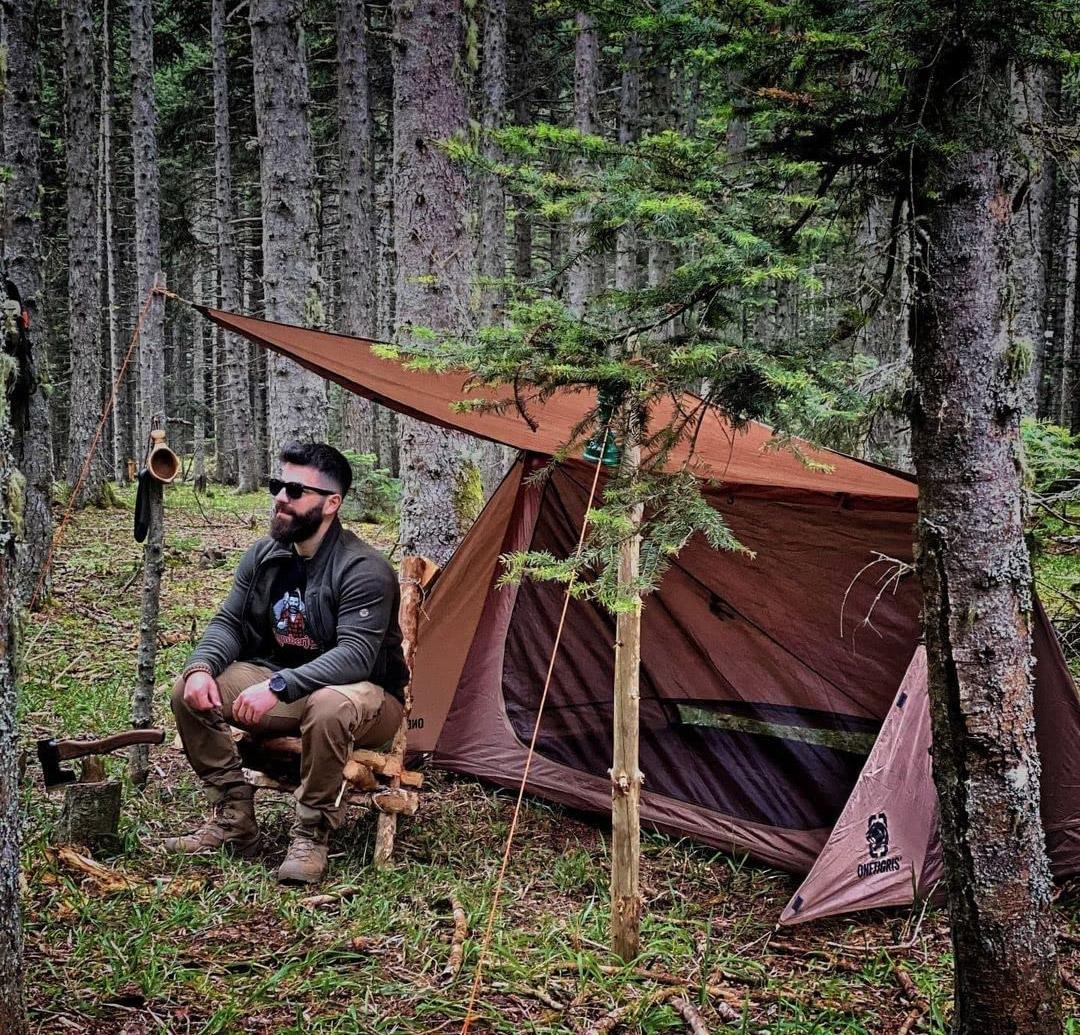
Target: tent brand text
x=878, y=866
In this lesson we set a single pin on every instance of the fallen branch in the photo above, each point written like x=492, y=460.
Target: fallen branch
x=317, y=901
x=689, y=1013
x=1070, y=981
x=673, y=982
x=533, y=993
x=910, y=989
x=457, y=943
x=608, y=1021
x=911, y=1020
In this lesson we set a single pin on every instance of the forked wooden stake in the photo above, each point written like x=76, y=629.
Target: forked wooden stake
x=625, y=775
x=413, y=571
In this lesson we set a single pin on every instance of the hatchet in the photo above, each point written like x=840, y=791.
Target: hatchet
x=52, y=752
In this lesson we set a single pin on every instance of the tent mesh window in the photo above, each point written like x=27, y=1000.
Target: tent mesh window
x=724, y=724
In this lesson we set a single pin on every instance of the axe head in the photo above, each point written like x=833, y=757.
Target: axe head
x=49, y=756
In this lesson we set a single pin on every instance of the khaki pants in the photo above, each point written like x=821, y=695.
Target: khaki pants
x=330, y=722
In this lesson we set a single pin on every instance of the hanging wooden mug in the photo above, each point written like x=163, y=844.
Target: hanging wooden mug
x=162, y=463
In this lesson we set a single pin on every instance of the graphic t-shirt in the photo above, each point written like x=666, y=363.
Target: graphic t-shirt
x=291, y=643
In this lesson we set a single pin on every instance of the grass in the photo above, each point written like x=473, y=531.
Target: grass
x=215, y=946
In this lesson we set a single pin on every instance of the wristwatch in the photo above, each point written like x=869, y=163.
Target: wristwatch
x=276, y=683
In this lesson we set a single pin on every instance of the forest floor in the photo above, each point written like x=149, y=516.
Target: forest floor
x=149, y=943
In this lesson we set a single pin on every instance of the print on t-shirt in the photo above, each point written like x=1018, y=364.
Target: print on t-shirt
x=290, y=629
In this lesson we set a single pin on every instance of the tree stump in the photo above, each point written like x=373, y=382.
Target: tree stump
x=91, y=815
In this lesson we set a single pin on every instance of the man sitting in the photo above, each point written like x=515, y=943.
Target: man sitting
x=307, y=642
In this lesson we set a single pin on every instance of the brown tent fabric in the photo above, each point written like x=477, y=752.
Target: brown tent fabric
x=743, y=457
x=883, y=849
x=766, y=680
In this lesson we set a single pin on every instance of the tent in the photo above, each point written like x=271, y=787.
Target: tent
x=783, y=696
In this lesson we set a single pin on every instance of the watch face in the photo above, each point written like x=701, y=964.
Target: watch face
x=277, y=683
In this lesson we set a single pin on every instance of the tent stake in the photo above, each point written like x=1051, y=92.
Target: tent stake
x=625, y=776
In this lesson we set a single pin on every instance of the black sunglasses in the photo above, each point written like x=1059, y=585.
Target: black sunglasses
x=294, y=490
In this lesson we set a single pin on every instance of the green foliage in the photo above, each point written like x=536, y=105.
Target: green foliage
x=1051, y=458
x=375, y=495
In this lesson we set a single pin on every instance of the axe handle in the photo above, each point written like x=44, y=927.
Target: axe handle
x=69, y=749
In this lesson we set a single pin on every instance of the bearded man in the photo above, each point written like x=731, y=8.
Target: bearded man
x=307, y=643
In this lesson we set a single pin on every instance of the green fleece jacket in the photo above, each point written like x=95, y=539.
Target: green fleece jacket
x=352, y=599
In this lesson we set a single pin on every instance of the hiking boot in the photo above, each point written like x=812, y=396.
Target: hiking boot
x=231, y=824
x=305, y=861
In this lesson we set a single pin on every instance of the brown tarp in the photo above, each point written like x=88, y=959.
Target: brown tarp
x=743, y=457
x=765, y=680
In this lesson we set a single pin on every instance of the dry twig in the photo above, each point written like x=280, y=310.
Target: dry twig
x=910, y=989
x=457, y=945
x=911, y=1020
x=317, y=901
x=689, y=1013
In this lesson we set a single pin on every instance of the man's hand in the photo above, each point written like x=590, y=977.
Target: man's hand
x=253, y=703
x=201, y=692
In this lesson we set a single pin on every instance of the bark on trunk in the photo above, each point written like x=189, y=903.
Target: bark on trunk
x=974, y=565
x=151, y=349
x=142, y=702
x=626, y=265
x=21, y=242
x=296, y=398
x=12, y=1007
x=83, y=266
x=121, y=418
x=883, y=252
x=580, y=279
x=431, y=201
x=386, y=434
x=237, y=407
x=356, y=253
x=147, y=222
x=523, y=223
x=1028, y=294
x=626, y=776
x=198, y=384
x=491, y=224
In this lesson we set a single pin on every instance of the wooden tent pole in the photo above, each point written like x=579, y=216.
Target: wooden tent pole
x=412, y=592
x=626, y=778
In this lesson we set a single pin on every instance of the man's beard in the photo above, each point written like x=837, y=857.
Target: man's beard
x=295, y=528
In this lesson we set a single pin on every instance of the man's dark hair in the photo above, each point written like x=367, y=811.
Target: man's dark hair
x=325, y=459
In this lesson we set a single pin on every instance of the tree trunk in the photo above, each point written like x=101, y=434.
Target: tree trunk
x=626, y=265
x=433, y=255
x=147, y=223
x=121, y=418
x=661, y=252
x=522, y=32
x=356, y=253
x=151, y=347
x=386, y=434
x=296, y=398
x=1028, y=296
x=491, y=222
x=238, y=401
x=974, y=563
x=198, y=383
x=626, y=777
x=580, y=280
x=12, y=1007
x=882, y=257
x=1059, y=355
x=83, y=265
x=21, y=242
x=142, y=703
